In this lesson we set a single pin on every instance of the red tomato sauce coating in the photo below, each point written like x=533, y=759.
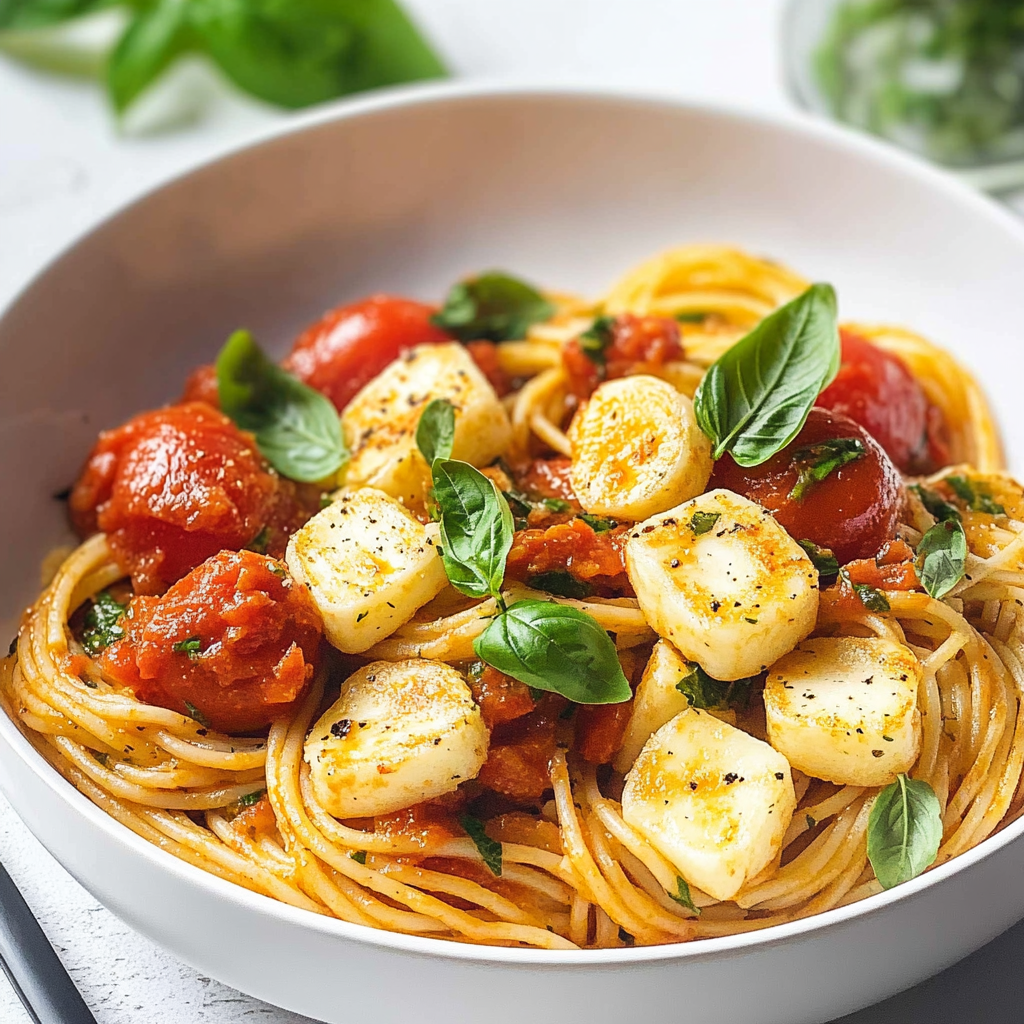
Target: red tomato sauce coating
x=518, y=760
x=347, y=347
x=247, y=637
x=201, y=386
x=639, y=344
x=572, y=547
x=875, y=389
x=548, y=478
x=854, y=510
x=171, y=488
x=600, y=729
x=500, y=697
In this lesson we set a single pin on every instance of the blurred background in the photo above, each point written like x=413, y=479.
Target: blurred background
x=103, y=99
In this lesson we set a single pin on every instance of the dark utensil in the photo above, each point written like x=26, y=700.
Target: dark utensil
x=31, y=965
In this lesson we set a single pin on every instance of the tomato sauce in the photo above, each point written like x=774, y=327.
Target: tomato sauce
x=573, y=547
x=234, y=644
x=517, y=764
x=499, y=697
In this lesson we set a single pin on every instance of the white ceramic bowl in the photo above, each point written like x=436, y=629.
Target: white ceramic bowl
x=406, y=193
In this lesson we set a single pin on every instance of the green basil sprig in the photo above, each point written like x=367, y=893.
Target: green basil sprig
x=290, y=53
x=435, y=432
x=942, y=557
x=297, y=429
x=755, y=397
x=824, y=561
x=904, y=831
x=492, y=307
x=934, y=505
x=554, y=647
x=103, y=624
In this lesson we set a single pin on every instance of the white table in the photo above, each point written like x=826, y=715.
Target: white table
x=63, y=166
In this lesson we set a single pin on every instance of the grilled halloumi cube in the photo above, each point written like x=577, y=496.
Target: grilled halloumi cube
x=400, y=733
x=715, y=801
x=655, y=702
x=380, y=422
x=369, y=565
x=844, y=709
x=724, y=582
x=637, y=449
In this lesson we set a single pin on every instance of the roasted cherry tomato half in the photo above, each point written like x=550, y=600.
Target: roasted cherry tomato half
x=852, y=509
x=349, y=346
x=877, y=390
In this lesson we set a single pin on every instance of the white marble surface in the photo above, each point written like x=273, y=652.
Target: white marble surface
x=63, y=166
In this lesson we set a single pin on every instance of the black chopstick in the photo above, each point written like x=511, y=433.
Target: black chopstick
x=31, y=965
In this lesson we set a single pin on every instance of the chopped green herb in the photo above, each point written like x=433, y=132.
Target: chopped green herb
x=707, y=694
x=251, y=798
x=102, y=623
x=492, y=307
x=197, y=715
x=975, y=499
x=815, y=462
x=596, y=339
x=193, y=647
x=682, y=896
x=260, y=541
x=556, y=504
x=703, y=522
x=562, y=584
x=694, y=316
x=934, y=505
x=824, y=561
x=599, y=524
x=811, y=823
x=490, y=849
x=872, y=599
x=359, y=856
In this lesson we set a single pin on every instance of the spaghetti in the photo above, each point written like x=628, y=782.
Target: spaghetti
x=574, y=873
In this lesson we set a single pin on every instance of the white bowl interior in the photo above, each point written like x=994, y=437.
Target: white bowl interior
x=566, y=189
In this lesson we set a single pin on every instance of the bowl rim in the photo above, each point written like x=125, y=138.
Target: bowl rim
x=799, y=125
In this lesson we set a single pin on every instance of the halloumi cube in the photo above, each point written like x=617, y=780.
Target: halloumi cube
x=844, y=709
x=369, y=565
x=637, y=449
x=724, y=582
x=399, y=733
x=380, y=422
x=713, y=800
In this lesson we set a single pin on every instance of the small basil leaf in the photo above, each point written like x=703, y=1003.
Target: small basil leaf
x=476, y=528
x=492, y=307
x=193, y=647
x=596, y=339
x=359, y=856
x=872, y=599
x=563, y=584
x=934, y=505
x=707, y=694
x=251, y=798
x=942, y=557
x=824, y=561
x=435, y=432
x=556, y=504
x=24, y=15
x=102, y=623
x=756, y=396
x=297, y=52
x=150, y=44
x=815, y=462
x=976, y=499
x=682, y=896
x=703, y=522
x=904, y=831
x=599, y=524
x=489, y=849
x=552, y=647
x=297, y=429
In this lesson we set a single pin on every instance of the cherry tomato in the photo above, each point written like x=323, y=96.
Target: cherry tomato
x=853, y=510
x=237, y=639
x=172, y=487
x=350, y=345
x=875, y=389
x=201, y=386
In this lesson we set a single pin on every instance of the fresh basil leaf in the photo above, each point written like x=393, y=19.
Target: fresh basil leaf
x=707, y=694
x=695, y=316
x=596, y=339
x=297, y=429
x=24, y=15
x=934, y=505
x=563, y=584
x=815, y=462
x=297, y=52
x=490, y=849
x=476, y=528
x=435, y=432
x=703, y=522
x=556, y=504
x=554, y=647
x=872, y=599
x=359, y=856
x=251, y=798
x=156, y=37
x=824, y=561
x=904, y=831
x=102, y=623
x=942, y=557
x=492, y=307
x=682, y=896
x=975, y=499
x=193, y=647
x=755, y=397
x=599, y=524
